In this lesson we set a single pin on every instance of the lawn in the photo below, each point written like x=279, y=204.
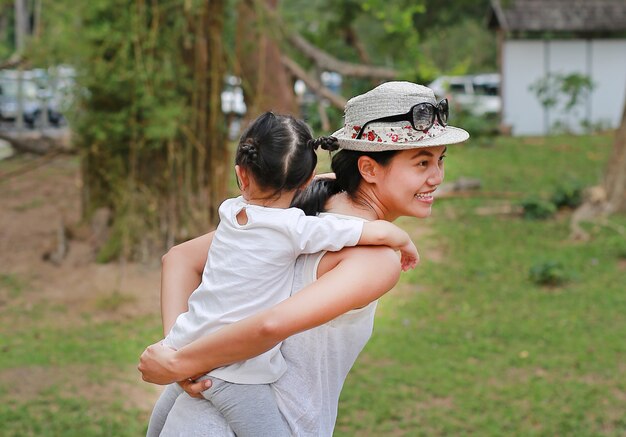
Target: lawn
x=466, y=344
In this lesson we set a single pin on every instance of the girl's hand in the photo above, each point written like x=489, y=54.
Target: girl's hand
x=155, y=364
x=409, y=256
x=195, y=388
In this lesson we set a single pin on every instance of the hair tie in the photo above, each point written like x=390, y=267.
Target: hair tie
x=328, y=143
x=249, y=151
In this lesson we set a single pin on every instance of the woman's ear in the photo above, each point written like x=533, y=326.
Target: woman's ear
x=368, y=168
x=242, y=177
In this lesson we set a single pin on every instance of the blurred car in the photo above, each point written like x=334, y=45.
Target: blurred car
x=232, y=97
x=477, y=94
x=233, y=105
x=36, y=98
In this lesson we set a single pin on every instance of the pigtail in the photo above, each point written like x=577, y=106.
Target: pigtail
x=248, y=153
x=325, y=143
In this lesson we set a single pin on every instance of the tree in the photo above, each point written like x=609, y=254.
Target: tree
x=267, y=85
x=615, y=175
x=148, y=120
x=148, y=123
x=609, y=197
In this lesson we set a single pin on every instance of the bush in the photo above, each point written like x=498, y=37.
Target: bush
x=550, y=273
x=568, y=195
x=538, y=209
x=480, y=127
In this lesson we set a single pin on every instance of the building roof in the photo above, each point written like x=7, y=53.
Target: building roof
x=578, y=16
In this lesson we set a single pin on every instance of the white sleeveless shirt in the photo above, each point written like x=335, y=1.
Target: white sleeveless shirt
x=318, y=361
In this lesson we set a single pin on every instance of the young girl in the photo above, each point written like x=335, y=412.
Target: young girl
x=251, y=260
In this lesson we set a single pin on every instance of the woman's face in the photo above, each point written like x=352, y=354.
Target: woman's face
x=406, y=185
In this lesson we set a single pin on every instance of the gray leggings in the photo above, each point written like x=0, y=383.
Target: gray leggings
x=249, y=409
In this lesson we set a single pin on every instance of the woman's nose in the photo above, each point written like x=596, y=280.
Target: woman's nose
x=436, y=177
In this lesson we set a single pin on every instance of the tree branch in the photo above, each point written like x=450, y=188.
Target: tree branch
x=328, y=62
x=12, y=62
x=353, y=40
x=322, y=59
x=37, y=143
x=314, y=84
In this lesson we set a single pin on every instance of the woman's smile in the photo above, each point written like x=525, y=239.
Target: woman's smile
x=426, y=197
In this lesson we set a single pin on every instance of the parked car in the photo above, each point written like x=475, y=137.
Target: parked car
x=36, y=98
x=478, y=94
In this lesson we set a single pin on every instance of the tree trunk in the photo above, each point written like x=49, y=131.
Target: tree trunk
x=267, y=85
x=218, y=159
x=608, y=198
x=615, y=175
x=162, y=170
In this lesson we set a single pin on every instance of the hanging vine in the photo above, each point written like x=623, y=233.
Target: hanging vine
x=148, y=121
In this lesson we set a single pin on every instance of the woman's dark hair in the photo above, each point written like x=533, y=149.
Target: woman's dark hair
x=348, y=178
x=279, y=151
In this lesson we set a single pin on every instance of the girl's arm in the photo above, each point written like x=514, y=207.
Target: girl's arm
x=381, y=232
x=180, y=276
x=351, y=278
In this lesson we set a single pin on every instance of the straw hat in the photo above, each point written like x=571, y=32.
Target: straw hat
x=392, y=98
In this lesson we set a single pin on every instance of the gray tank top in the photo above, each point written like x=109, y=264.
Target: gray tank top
x=318, y=362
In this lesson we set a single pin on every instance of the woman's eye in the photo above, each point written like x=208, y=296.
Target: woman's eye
x=441, y=157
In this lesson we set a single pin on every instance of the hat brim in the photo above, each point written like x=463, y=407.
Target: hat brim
x=451, y=135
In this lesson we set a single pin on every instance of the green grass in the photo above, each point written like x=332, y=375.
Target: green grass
x=87, y=352
x=470, y=345
x=52, y=415
x=466, y=345
x=10, y=285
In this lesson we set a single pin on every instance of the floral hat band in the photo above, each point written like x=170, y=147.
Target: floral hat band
x=397, y=134
x=382, y=111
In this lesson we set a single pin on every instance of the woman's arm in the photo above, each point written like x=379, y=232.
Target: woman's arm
x=354, y=278
x=180, y=276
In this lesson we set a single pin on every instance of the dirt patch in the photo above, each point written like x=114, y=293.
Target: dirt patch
x=33, y=205
x=30, y=383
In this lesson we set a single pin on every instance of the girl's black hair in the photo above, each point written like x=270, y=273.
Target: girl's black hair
x=348, y=178
x=279, y=151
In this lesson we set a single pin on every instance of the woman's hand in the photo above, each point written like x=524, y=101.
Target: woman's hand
x=156, y=364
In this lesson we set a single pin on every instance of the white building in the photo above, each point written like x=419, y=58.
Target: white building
x=539, y=38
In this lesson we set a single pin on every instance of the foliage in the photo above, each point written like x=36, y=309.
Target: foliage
x=552, y=87
x=538, y=209
x=141, y=120
x=420, y=39
x=565, y=90
x=550, y=273
x=7, y=32
x=464, y=47
x=480, y=127
x=568, y=194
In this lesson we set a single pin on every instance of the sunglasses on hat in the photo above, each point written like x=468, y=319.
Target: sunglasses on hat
x=421, y=116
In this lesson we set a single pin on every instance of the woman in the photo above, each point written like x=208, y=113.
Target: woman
x=394, y=140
